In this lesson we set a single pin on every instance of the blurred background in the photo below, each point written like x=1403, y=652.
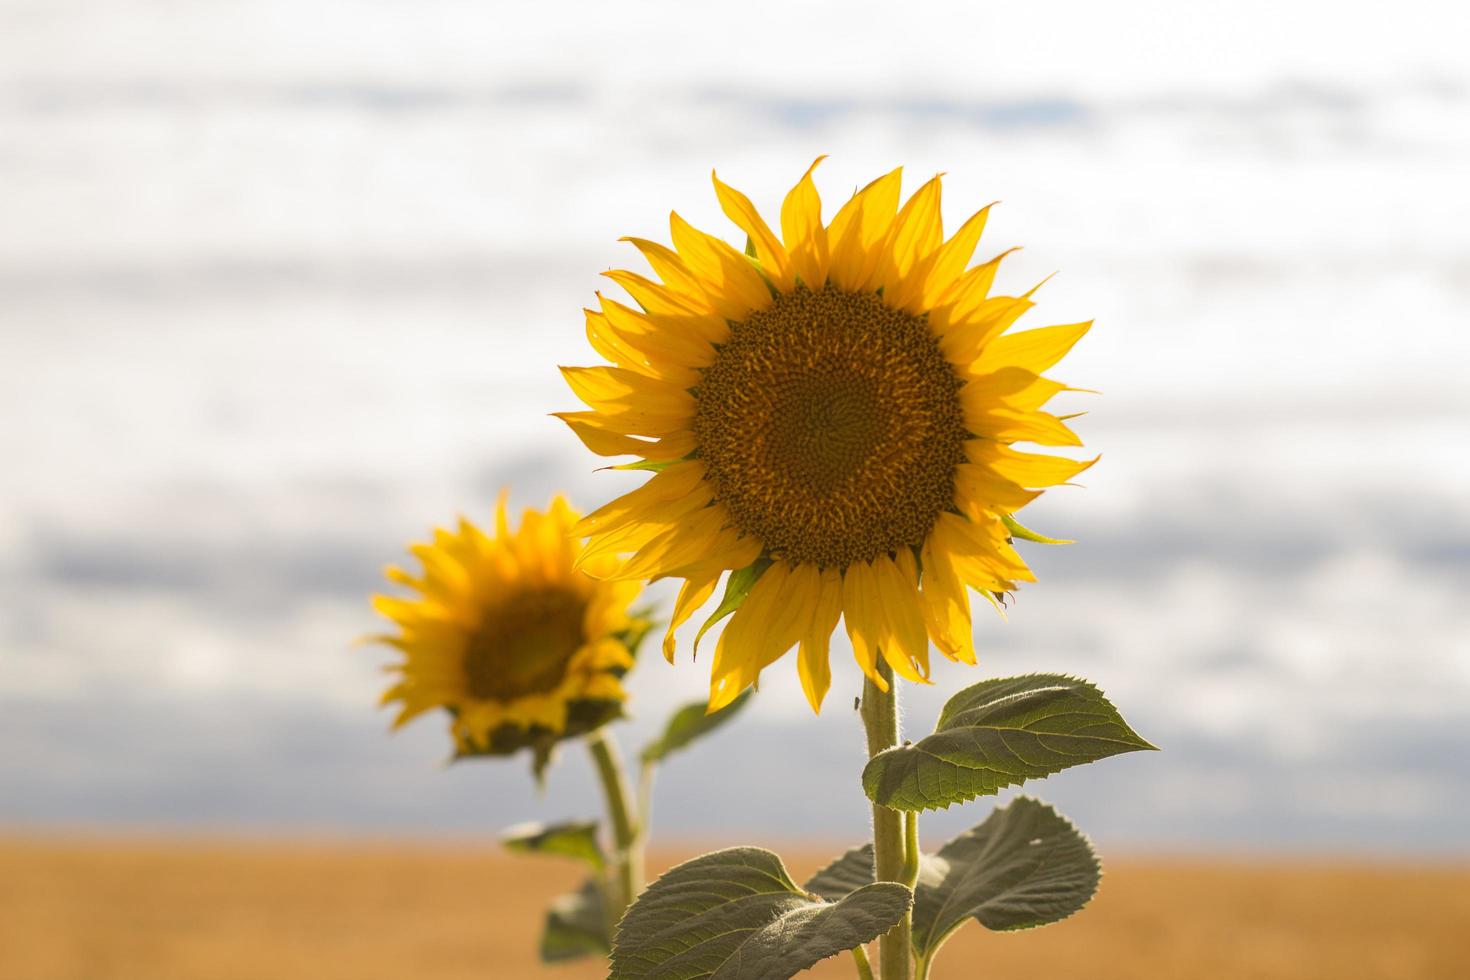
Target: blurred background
x=284, y=284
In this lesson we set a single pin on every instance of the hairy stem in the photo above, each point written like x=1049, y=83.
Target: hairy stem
x=864, y=968
x=890, y=849
x=627, y=833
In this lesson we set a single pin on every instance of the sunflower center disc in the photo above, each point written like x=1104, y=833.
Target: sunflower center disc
x=523, y=645
x=830, y=426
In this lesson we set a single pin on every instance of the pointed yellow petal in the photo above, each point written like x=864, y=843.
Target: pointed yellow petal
x=906, y=643
x=768, y=247
x=602, y=436
x=813, y=664
x=694, y=593
x=663, y=340
x=1034, y=350
x=674, y=483
x=916, y=232
x=862, y=612
x=949, y=262
x=731, y=282
x=675, y=312
x=801, y=226
x=1025, y=469
x=669, y=266
x=946, y=606
x=859, y=229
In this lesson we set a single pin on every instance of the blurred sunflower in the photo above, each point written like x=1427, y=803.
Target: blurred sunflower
x=521, y=647
x=830, y=417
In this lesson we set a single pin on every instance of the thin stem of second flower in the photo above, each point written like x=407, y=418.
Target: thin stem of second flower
x=627, y=859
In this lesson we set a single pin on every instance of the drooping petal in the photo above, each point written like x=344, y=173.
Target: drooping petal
x=694, y=593
x=813, y=665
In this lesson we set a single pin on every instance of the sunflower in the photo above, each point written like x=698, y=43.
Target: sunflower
x=830, y=417
x=506, y=633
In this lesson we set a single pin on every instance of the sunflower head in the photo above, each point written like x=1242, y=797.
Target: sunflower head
x=830, y=418
x=505, y=633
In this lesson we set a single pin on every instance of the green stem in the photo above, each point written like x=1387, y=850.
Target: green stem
x=864, y=968
x=627, y=838
x=910, y=849
x=890, y=850
x=922, y=970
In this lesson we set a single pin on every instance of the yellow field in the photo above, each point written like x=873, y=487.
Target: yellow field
x=72, y=910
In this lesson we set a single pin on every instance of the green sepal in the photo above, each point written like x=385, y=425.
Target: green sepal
x=573, y=839
x=737, y=587
x=1000, y=733
x=690, y=722
x=1019, y=530
x=576, y=925
x=582, y=717
x=737, y=915
x=651, y=465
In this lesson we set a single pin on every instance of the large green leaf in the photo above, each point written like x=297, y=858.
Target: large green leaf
x=1000, y=733
x=576, y=925
x=689, y=723
x=1025, y=866
x=737, y=915
x=843, y=876
x=572, y=839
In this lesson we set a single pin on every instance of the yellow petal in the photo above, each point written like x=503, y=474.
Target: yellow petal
x=801, y=226
x=669, y=266
x=946, y=606
x=978, y=488
x=906, y=643
x=673, y=483
x=916, y=232
x=768, y=247
x=689, y=539
x=675, y=312
x=862, y=613
x=694, y=593
x=1009, y=425
x=1033, y=350
x=664, y=341
x=950, y=260
x=813, y=664
x=601, y=436
x=1025, y=469
x=859, y=229
x=731, y=282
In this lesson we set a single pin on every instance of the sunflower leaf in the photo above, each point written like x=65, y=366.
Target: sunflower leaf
x=1025, y=866
x=1000, y=733
x=574, y=839
x=690, y=722
x=737, y=587
x=737, y=915
x=576, y=925
x=842, y=877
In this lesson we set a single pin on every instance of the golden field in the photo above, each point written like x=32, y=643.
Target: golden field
x=74, y=909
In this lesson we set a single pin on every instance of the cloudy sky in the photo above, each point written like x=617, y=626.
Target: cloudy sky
x=282, y=285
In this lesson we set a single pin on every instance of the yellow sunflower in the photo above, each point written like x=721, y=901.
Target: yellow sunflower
x=830, y=417
x=518, y=644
